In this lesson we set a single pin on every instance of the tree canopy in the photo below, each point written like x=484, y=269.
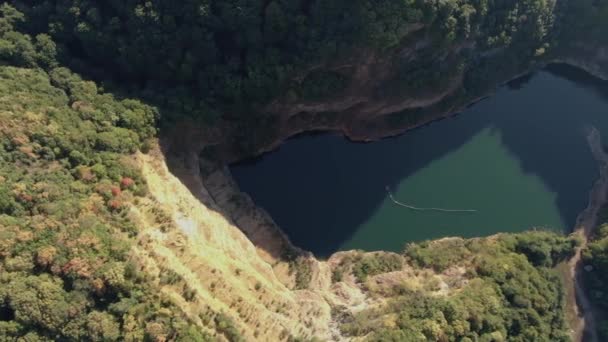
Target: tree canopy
x=201, y=57
x=509, y=293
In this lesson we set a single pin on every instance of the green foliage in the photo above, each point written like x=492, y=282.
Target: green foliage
x=373, y=264
x=191, y=334
x=225, y=326
x=204, y=57
x=541, y=248
x=7, y=201
x=505, y=296
x=65, y=142
x=425, y=255
x=595, y=261
x=301, y=268
x=118, y=140
x=65, y=272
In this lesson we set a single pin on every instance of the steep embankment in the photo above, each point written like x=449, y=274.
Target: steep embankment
x=585, y=226
x=352, y=295
x=220, y=264
x=226, y=273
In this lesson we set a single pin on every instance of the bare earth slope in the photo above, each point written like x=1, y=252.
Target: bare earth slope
x=224, y=272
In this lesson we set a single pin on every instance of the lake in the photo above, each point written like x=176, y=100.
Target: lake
x=519, y=158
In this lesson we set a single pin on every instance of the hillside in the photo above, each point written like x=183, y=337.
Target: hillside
x=119, y=222
x=106, y=244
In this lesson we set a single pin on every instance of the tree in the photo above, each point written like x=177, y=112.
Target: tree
x=40, y=301
x=7, y=201
x=46, y=50
x=102, y=327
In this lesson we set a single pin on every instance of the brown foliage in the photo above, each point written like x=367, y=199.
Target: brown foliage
x=126, y=182
x=78, y=266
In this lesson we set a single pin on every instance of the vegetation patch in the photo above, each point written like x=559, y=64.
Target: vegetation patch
x=301, y=268
x=509, y=294
x=67, y=179
x=376, y=263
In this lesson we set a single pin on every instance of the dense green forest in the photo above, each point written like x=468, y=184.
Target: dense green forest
x=84, y=84
x=209, y=59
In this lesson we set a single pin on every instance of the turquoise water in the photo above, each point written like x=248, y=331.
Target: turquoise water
x=519, y=158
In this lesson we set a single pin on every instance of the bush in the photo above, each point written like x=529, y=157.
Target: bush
x=7, y=201
x=377, y=263
x=302, y=269
x=225, y=326
x=508, y=298
x=439, y=255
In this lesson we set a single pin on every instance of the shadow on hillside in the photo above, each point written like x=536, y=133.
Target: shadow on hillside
x=320, y=189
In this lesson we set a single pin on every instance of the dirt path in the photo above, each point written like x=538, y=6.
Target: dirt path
x=585, y=328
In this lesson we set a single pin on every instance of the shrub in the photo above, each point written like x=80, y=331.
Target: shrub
x=377, y=263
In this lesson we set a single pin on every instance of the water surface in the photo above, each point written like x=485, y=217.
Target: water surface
x=520, y=158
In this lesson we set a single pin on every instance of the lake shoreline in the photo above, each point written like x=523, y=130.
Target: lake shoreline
x=273, y=228
x=345, y=131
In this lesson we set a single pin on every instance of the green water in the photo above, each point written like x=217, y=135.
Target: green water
x=520, y=158
x=505, y=198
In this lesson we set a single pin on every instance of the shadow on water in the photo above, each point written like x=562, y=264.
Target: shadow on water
x=321, y=189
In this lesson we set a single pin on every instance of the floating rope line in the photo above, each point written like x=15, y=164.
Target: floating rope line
x=390, y=195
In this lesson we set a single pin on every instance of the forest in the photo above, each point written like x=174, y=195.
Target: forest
x=65, y=185
x=211, y=60
x=85, y=84
x=510, y=292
